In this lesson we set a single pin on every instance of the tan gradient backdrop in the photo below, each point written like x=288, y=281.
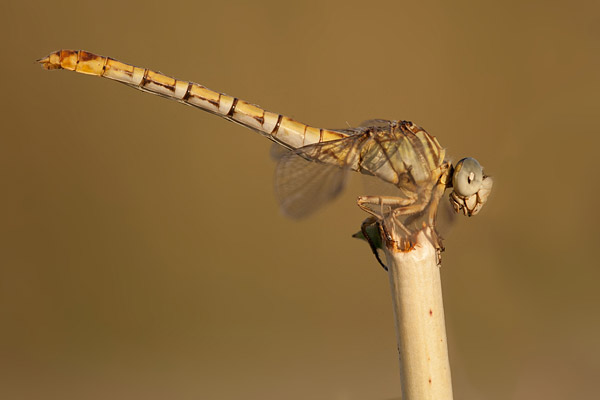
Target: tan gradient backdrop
x=142, y=252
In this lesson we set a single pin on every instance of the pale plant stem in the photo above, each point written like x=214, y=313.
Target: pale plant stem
x=420, y=327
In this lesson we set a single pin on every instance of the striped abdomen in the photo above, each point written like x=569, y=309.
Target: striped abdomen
x=276, y=127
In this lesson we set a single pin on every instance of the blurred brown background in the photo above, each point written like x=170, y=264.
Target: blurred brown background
x=142, y=254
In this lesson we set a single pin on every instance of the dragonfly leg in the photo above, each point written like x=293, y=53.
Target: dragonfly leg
x=437, y=193
x=429, y=211
x=381, y=207
x=389, y=210
x=408, y=241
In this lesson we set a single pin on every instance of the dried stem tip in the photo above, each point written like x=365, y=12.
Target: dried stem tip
x=420, y=326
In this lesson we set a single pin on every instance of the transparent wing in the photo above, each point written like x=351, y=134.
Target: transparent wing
x=369, y=125
x=302, y=186
x=352, y=131
x=309, y=177
x=372, y=185
x=377, y=123
x=278, y=151
x=446, y=218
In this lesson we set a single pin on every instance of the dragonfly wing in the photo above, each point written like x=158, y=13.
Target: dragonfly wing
x=376, y=123
x=446, y=218
x=302, y=186
x=372, y=185
x=309, y=177
x=278, y=151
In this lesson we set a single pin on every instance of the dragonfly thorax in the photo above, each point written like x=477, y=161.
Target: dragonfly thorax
x=403, y=154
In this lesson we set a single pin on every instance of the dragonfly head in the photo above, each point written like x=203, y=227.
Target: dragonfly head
x=471, y=187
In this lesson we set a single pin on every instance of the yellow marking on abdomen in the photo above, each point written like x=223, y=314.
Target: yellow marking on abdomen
x=159, y=83
x=201, y=97
x=91, y=64
x=291, y=132
x=122, y=72
x=249, y=115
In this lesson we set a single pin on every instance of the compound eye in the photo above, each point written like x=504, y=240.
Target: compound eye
x=467, y=178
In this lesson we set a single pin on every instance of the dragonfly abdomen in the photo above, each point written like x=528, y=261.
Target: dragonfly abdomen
x=277, y=127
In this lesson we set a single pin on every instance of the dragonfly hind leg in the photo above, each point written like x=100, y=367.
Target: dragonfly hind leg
x=389, y=210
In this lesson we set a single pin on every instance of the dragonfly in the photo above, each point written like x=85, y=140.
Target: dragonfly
x=314, y=167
